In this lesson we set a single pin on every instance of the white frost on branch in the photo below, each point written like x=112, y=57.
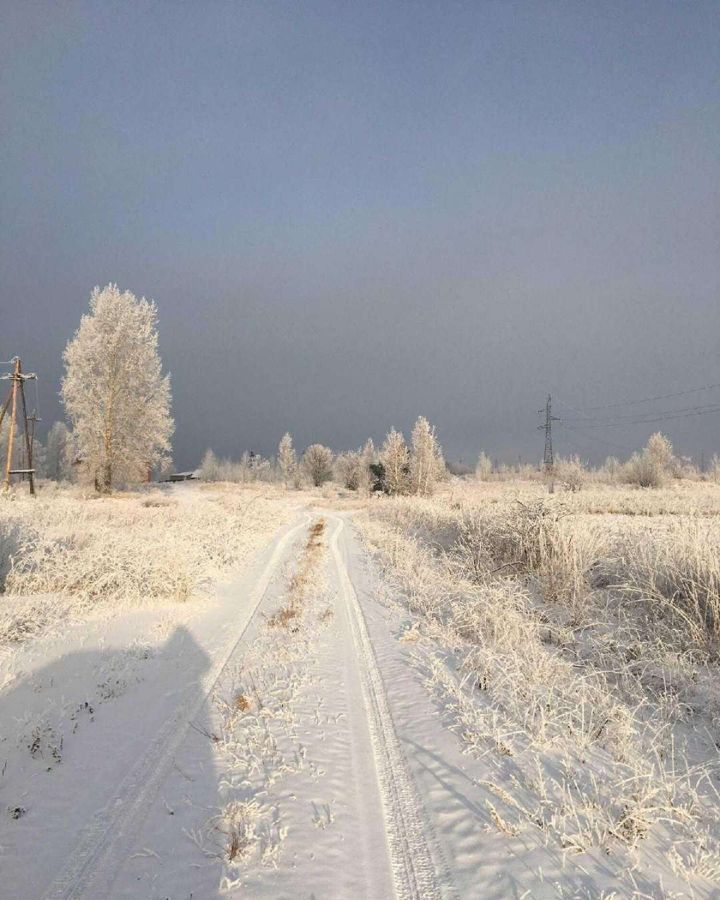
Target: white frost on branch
x=114, y=391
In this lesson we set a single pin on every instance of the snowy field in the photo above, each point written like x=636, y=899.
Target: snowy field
x=221, y=691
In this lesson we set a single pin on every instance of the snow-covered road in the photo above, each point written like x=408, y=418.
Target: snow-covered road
x=279, y=742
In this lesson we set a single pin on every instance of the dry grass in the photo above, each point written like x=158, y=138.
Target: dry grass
x=302, y=580
x=580, y=647
x=64, y=554
x=241, y=702
x=259, y=723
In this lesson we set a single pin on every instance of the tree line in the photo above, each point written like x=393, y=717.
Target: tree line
x=395, y=468
x=117, y=402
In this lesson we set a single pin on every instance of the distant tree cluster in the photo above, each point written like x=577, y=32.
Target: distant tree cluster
x=249, y=468
x=413, y=470
x=395, y=469
x=651, y=467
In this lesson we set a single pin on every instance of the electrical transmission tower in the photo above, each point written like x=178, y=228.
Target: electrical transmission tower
x=548, y=460
x=18, y=379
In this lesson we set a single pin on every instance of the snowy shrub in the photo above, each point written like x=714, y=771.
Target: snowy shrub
x=571, y=473
x=318, y=464
x=652, y=466
x=124, y=551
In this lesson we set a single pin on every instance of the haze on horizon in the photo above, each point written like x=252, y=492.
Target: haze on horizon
x=351, y=214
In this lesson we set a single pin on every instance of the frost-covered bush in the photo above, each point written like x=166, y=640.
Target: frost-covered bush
x=484, y=467
x=349, y=470
x=10, y=539
x=318, y=464
x=132, y=550
x=571, y=472
x=652, y=466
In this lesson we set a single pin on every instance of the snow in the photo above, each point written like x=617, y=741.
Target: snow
x=288, y=737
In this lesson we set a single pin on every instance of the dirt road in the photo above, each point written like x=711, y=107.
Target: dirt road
x=354, y=822
x=281, y=742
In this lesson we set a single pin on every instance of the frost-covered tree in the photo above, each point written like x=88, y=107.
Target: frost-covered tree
x=318, y=464
x=660, y=451
x=114, y=391
x=286, y=458
x=650, y=467
x=484, y=467
x=39, y=458
x=368, y=458
x=57, y=453
x=395, y=459
x=209, y=467
x=427, y=465
x=349, y=469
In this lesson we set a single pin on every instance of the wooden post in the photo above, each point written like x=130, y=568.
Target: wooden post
x=28, y=445
x=18, y=379
x=13, y=416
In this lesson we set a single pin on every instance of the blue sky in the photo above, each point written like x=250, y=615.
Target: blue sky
x=350, y=214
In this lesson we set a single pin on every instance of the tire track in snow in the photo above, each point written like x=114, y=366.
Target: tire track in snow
x=415, y=874
x=107, y=841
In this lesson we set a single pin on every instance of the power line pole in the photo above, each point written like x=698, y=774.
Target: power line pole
x=548, y=459
x=18, y=379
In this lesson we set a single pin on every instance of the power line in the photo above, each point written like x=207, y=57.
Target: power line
x=650, y=418
x=592, y=438
x=657, y=412
x=707, y=387
x=578, y=411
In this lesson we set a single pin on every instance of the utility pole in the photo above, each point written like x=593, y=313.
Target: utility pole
x=18, y=379
x=548, y=459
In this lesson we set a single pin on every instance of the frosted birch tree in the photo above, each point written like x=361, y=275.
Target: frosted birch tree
x=395, y=459
x=114, y=391
x=286, y=458
x=426, y=460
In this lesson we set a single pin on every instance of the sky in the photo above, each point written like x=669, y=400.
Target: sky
x=350, y=214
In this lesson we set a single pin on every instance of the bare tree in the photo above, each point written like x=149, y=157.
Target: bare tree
x=114, y=392
x=318, y=464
